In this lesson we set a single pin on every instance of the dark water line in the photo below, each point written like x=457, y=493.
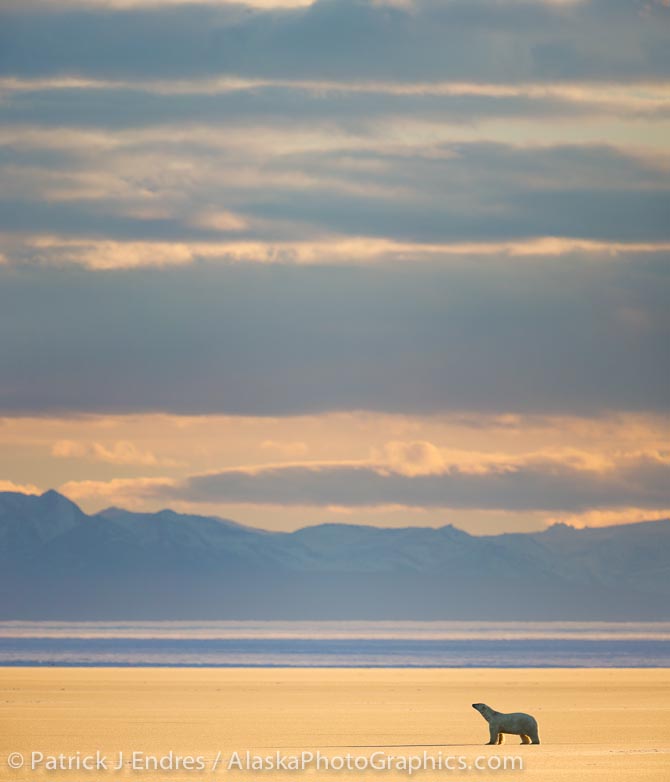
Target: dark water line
x=338, y=653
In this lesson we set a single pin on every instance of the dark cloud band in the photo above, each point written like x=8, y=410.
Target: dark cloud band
x=346, y=39
x=545, y=487
x=549, y=335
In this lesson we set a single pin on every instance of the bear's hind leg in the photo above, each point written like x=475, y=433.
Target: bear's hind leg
x=534, y=738
x=525, y=739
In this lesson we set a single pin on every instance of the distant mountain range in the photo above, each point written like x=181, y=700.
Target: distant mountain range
x=57, y=562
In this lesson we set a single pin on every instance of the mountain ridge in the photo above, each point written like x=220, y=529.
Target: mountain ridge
x=58, y=562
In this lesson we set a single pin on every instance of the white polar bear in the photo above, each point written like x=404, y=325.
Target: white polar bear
x=517, y=723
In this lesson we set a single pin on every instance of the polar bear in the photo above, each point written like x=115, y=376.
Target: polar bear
x=517, y=723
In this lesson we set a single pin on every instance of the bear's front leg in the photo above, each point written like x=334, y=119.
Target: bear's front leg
x=493, y=736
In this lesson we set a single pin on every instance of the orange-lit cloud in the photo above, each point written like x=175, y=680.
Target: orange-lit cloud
x=121, y=452
x=121, y=5
x=608, y=96
x=463, y=446
x=108, y=254
x=291, y=450
x=19, y=488
x=131, y=493
x=610, y=518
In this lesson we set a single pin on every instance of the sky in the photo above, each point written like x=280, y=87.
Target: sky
x=389, y=262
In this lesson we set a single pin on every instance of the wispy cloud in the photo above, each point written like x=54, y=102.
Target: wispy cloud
x=495, y=193
x=120, y=452
x=63, y=251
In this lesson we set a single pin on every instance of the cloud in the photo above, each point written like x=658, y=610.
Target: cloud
x=167, y=192
x=466, y=460
x=62, y=251
x=127, y=492
x=99, y=101
x=121, y=452
x=420, y=457
x=351, y=107
x=345, y=39
x=609, y=518
x=225, y=222
x=292, y=450
x=414, y=458
x=537, y=483
x=19, y=488
x=472, y=335
x=109, y=254
x=158, y=4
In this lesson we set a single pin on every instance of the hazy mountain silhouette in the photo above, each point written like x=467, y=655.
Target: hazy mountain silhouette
x=56, y=562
